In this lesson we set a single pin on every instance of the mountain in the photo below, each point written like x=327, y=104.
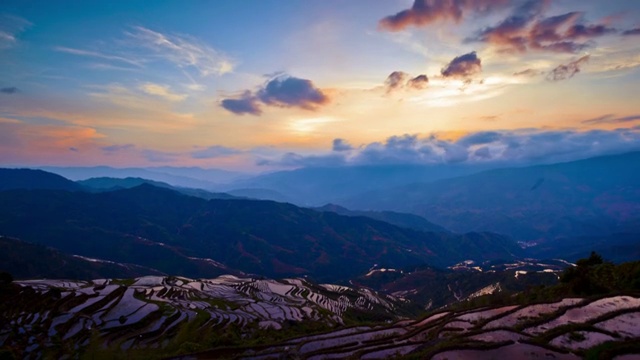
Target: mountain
x=410, y=221
x=165, y=230
x=316, y=186
x=174, y=178
x=28, y=261
x=110, y=184
x=261, y=194
x=592, y=197
x=34, y=179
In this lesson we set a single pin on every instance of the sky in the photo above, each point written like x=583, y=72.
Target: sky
x=261, y=85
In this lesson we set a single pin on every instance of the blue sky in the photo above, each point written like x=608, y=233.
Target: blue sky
x=261, y=85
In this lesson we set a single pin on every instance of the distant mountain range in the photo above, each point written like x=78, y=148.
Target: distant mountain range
x=593, y=197
x=29, y=261
x=410, y=221
x=554, y=211
x=11, y=179
x=178, y=234
x=191, y=177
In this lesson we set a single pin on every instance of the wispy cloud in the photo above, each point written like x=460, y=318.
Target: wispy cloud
x=612, y=119
x=142, y=47
x=132, y=60
x=9, y=90
x=567, y=71
x=213, y=152
x=10, y=27
x=183, y=51
x=162, y=91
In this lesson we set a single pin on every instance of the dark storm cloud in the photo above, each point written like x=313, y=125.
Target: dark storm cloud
x=567, y=71
x=281, y=91
x=463, y=66
x=341, y=145
x=425, y=12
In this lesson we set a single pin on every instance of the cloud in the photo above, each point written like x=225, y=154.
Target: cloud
x=297, y=160
x=419, y=82
x=567, y=71
x=512, y=147
x=612, y=119
x=635, y=31
x=143, y=46
x=162, y=91
x=526, y=29
x=10, y=27
x=74, y=149
x=112, y=149
x=479, y=138
x=281, y=91
x=138, y=62
x=463, y=66
x=159, y=156
x=426, y=12
x=247, y=103
x=529, y=73
x=401, y=80
x=396, y=80
x=215, y=151
x=288, y=91
x=341, y=145
x=9, y=90
x=183, y=51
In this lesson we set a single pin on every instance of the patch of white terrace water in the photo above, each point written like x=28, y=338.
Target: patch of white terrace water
x=390, y=353
x=587, y=312
x=515, y=351
x=485, y=314
x=530, y=312
x=498, y=336
x=487, y=290
x=45, y=284
x=581, y=340
x=359, y=338
x=627, y=325
x=127, y=305
x=149, y=281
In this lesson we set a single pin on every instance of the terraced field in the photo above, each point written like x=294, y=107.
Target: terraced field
x=148, y=311
x=566, y=329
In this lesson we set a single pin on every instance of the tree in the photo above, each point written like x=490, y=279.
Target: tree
x=5, y=278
